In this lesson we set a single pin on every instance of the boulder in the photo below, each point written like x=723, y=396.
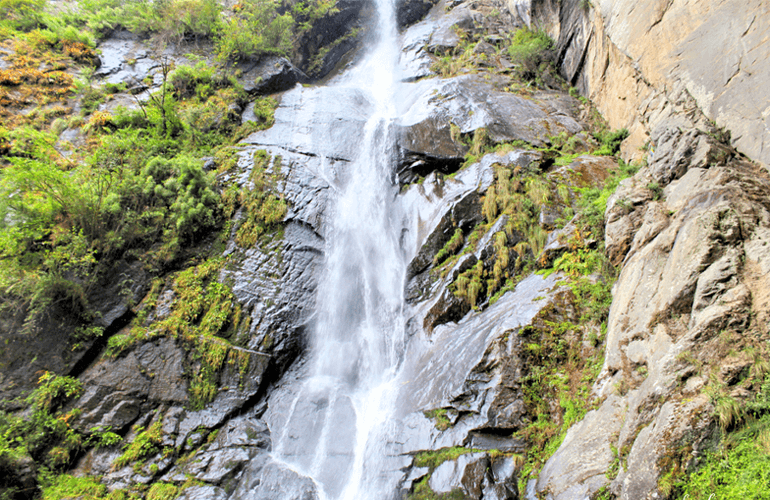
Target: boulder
x=466, y=473
x=467, y=103
x=269, y=75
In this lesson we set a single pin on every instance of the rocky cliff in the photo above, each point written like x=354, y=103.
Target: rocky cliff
x=633, y=59
x=612, y=372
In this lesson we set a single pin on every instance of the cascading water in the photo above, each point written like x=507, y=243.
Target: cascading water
x=359, y=337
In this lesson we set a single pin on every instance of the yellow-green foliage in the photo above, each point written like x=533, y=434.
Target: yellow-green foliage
x=422, y=491
x=529, y=50
x=162, y=491
x=519, y=195
x=146, y=443
x=439, y=417
x=66, y=486
x=451, y=247
x=469, y=284
x=490, y=209
x=203, y=315
x=502, y=259
x=83, y=488
x=264, y=210
x=433, y=459
x=460, y=57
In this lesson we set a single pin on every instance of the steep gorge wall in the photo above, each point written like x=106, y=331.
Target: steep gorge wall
x=690, y=301
x=638, y=60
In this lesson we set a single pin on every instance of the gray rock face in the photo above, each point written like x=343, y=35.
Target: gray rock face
x=470, y=102
x=577, y=469
x=411, y=11
x=116, y=392
x=680, y=284
x=329, y=39
x=50, y=343
x=472, y=366
x=322, y=121
x=466, y=474
x=237, y=443
x=203, y=493
x=269, y=75
x=265, y=479
x=635, y=60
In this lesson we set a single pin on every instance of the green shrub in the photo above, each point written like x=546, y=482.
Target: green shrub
x=256, y=29
x=145, y=444
x=43, y=435
x=529, y=50
x=738, y=472
x=23, y=15
x=169, y=20
x=609, y=141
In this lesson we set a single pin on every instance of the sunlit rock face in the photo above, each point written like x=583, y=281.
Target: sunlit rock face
x=633, y=60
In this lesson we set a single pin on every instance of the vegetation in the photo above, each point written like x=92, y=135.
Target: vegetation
x=249, y=29
x=134, y=189
x=422, y=491
x=440, y=419
x=432, y=459
x=563, y=347
x=44, y=436
x=735, y=464
x=530, y=52
x=204, y=315
x=264, y=209
x=85, y=488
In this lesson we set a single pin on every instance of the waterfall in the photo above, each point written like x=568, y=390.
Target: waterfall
x=358, y=340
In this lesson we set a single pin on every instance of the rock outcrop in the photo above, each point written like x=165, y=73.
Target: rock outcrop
x=633, y=60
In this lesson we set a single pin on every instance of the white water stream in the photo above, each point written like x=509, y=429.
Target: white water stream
x=358, y=341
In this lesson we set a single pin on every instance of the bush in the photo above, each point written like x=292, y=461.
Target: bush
x=44, y=435
x=23, y=15
x=168, y=20
x=255, y=30
x=529, y=50
x=610, y=141
x=178, y=197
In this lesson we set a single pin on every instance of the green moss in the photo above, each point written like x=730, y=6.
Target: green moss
x=264, y=209
x=434, y=458
x=66, y=486
x=451, y=247
x=146, y=443
x=204, y=314
x=439, y=417
x=162, y=491
x=422, y=491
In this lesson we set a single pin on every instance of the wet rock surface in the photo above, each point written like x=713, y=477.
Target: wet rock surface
x=269, y=75
x=470, y=103
x=690, y=233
